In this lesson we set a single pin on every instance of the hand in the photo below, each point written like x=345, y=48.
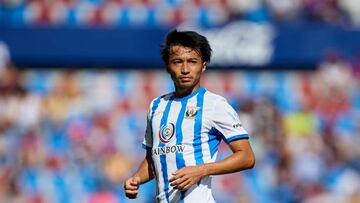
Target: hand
x=131, y=187
x=184, y=178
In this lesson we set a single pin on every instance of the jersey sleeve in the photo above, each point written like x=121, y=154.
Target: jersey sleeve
x=148, y=139
x=227, y=123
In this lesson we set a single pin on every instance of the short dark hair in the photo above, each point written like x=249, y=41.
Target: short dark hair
x=189, y=39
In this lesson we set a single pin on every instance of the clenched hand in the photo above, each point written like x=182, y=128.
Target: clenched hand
x=131, y=187
x=184, y=178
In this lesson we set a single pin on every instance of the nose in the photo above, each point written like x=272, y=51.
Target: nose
x=184, y=69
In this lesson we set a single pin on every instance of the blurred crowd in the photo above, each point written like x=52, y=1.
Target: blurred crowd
x=75, y=135
x=174, y=12
x=69, y=136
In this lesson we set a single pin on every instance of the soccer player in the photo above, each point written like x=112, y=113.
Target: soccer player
x=185, y=128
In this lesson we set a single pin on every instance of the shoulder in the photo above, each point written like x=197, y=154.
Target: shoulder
x=219, y=105
x=157, y=100
x=215, y=99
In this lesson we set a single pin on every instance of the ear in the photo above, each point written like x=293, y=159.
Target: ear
x=204, y=67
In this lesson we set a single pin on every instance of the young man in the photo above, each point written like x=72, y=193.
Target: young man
x=185, y=128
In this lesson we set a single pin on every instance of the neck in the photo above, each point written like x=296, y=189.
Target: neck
x=183, y=92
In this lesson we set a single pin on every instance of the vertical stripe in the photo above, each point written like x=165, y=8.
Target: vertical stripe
x=214, y=141
x=153, y=109
x=182, y=196
x=197, y=129
x=163, y=163
x=180, y=162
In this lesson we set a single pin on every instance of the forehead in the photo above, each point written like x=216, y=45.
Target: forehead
x=181, y=51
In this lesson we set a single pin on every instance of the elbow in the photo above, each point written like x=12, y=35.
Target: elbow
x=251, y=162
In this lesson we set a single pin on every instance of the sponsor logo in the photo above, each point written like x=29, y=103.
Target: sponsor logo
x=191, y=112
x=166, y=132
x=169, y=149
x=237, y=125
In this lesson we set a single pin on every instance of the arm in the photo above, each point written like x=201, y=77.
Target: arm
x=143, y=175
x=241, y=159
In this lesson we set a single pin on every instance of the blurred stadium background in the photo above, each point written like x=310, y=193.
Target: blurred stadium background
x=77, y=76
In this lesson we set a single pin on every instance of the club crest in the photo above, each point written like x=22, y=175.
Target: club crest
x=191, y=112
x=166, y=132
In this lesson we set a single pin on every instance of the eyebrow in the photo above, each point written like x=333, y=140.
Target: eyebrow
x=178, y=58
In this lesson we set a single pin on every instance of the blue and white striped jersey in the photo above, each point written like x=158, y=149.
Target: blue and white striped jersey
x=186, y=132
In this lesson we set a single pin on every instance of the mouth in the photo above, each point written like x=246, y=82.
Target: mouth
x=185, y=79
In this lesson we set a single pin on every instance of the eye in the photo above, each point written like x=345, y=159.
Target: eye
x=176, y=61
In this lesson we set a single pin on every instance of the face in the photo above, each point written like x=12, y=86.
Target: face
x=185, y=67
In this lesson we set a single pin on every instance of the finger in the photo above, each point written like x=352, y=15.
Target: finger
x=183, y=185
x=186, y=187
x=134, y=184
x=127, y=183
x=131, y=187
x=176, y=177
x=179, y=181
x=173, y=180
x=178, y=172
x=131, y=192
x=135, y=180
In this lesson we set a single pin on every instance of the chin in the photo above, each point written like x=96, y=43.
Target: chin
x=186, y=85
